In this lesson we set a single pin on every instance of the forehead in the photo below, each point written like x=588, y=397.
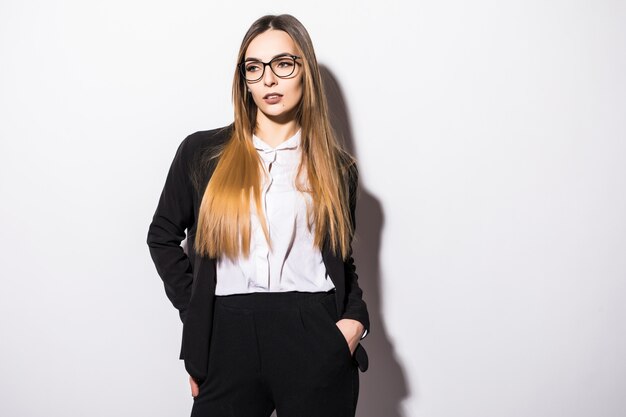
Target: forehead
x=270, y=43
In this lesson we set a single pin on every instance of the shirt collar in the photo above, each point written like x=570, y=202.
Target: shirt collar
x=291, y=143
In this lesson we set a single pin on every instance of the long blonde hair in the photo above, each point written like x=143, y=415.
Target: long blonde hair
x=223, y=227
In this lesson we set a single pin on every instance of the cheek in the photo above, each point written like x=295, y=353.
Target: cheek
x=298, y=90
x=296, y=95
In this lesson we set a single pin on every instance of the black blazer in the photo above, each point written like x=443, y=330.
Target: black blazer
x=190, y=279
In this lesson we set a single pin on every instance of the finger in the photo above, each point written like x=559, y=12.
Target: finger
x=194, y=387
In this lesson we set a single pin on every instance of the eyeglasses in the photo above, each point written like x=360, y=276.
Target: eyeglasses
x=283, y=66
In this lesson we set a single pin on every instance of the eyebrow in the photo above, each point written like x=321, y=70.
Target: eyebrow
x=251, y=58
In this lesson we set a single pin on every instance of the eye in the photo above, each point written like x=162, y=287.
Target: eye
x=284, y=63
x=253, y=67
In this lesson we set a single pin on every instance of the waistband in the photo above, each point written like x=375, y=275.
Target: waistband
x=272, y=300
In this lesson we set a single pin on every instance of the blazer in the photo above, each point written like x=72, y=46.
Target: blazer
x=190, y=279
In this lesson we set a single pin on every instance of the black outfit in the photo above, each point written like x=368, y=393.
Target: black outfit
x=190, y=280
x=278, y=350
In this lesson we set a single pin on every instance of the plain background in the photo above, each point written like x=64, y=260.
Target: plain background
x=491, y=141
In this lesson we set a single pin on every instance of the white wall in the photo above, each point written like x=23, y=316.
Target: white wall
x=491, y=140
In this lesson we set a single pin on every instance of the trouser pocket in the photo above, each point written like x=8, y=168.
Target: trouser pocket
x=320, y=322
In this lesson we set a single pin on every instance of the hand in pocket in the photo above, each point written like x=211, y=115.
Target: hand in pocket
x=352, y=331
x=194, y=387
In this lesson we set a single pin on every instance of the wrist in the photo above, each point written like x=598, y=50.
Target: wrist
x=356, y=327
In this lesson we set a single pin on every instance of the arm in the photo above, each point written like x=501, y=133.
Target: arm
x=174, y=214
x=356, y=308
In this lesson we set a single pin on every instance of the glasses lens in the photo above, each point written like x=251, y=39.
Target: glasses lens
x=283, y=67
x=253, y=70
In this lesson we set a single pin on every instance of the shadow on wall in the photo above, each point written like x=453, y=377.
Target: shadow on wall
x=383, y=386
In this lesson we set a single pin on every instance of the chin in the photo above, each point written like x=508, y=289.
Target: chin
x=277, y=112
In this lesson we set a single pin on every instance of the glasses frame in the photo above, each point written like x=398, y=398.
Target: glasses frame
x=242, y=67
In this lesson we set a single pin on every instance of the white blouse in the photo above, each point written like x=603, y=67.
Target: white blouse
x=295, y=264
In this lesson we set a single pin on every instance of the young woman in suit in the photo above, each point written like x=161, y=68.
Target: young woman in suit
x=273, y=314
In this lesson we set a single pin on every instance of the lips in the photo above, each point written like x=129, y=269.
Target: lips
x=272, y=95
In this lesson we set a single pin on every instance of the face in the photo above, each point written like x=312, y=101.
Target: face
x=264, y=47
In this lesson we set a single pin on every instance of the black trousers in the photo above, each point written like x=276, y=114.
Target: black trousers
x=278, y=350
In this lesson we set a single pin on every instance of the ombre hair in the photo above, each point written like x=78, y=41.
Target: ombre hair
x=223, y=225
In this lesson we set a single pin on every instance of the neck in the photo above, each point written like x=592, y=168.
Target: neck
x=274, y=131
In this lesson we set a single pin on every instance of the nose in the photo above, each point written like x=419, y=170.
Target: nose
x=269, y=78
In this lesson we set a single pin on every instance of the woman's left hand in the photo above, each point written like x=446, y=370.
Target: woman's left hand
x=352, y=331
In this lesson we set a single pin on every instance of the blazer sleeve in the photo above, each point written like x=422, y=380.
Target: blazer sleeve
x=174, y=214
x=356, y=308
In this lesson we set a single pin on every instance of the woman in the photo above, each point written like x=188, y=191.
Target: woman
x=271, y=307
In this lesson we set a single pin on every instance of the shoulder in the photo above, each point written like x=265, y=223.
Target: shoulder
x=349, y=168
x=198, y=152
x=202, y=140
